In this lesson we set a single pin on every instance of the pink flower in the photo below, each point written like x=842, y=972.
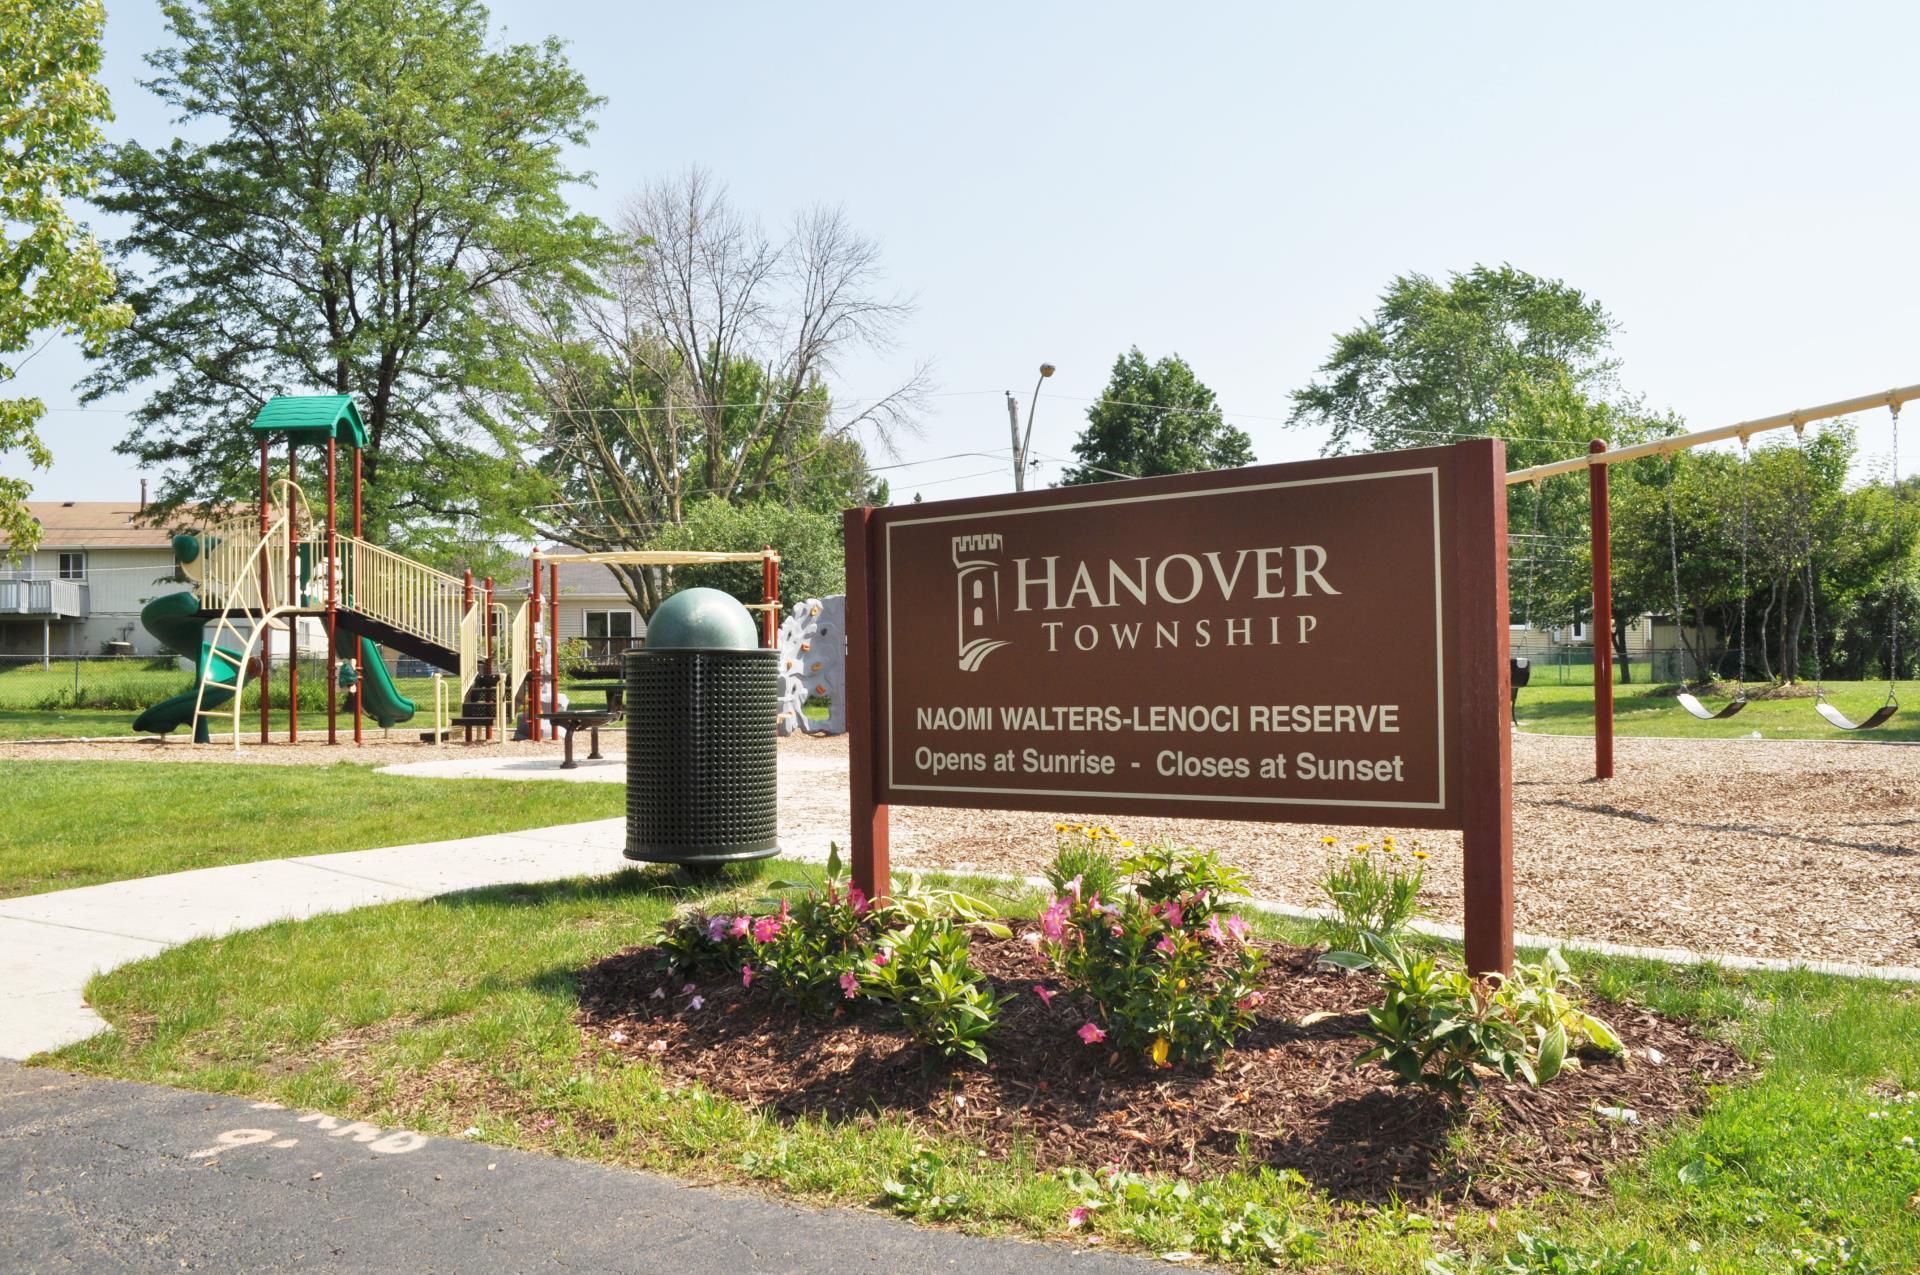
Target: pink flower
x=765, y=929
x=1165, y=944
x=1073, y=887
x=1044, y=993
x=716, y=928
x=1214, y=931
x=1119, y=931
x=1053, y=922
x=659, y=994
x=740, y=927
x=698, y=1002
x=1238, y=928
x=1091, y=1034
x=746, y=976
x=849, y=985
x=688, y=989
x=1173, y=914
x=1077, y=1217
x=882, y=956
x=1252, y=999
x=857, y=900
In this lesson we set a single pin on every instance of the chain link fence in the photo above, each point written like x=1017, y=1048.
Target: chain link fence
x=1573, y=666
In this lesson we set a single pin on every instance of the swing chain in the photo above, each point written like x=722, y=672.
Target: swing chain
x=1673, y=549
x=1813, y=600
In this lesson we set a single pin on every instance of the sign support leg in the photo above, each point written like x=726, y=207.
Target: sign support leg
x=1486, y=743
x=872, y=872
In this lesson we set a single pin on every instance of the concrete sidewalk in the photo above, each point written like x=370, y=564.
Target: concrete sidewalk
x=51, y=944
x=105, y=1175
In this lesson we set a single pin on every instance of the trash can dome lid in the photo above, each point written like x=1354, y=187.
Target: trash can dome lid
x=701, y=619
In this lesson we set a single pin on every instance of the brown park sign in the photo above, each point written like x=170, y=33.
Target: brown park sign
x=1320, y=642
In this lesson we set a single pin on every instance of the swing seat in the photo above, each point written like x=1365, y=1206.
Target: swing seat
x=1878, y=717
x=1692, y=704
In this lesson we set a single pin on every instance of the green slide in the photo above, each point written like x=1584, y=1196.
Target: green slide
x=379, y=697
x=174, y=618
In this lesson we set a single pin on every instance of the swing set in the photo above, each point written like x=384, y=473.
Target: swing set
x=1597, y=462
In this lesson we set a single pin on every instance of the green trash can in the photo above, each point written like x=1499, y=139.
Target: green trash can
x=702, y=702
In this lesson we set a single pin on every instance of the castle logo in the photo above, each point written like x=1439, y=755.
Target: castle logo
x=976, y=561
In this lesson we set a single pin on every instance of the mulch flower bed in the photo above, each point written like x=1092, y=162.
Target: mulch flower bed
x=1287, y=1095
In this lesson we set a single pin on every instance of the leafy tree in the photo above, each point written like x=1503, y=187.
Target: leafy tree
x=1493, y=352
x=1154, y=418
x=695, y=364
x=52, y=274
x=812, y=560
x=375, y=169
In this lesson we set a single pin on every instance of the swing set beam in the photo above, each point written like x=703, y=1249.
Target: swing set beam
x=1596, y=461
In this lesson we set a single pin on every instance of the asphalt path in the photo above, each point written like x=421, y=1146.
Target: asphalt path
x=105, y=1175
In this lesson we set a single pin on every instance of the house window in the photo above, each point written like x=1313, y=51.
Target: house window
x=610, y=624
x=73, y=566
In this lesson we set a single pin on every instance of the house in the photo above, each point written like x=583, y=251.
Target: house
x=1653, y=641
x=593, y=606
x=81, y=591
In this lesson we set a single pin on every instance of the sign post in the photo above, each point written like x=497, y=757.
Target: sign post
x=1322, y=642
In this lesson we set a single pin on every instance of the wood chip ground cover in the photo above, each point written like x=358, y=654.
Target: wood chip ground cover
x=1288, y=1094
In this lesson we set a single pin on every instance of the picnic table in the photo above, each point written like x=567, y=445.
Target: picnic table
x=579, y=719
x=616, y=693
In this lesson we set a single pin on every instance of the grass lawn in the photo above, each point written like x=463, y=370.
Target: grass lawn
x=1568, y=710
x=459, y=1012
x=66, y=824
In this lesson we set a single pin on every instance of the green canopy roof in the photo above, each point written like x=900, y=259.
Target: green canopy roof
x=328, y=415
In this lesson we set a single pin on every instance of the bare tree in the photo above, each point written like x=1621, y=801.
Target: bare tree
x=699, y=366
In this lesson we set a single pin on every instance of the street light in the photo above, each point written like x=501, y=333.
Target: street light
x=1020, y=441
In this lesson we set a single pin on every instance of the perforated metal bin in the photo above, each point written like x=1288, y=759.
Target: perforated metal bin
x=702, y=782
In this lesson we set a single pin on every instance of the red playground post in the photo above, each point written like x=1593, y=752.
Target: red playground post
x=1601, y=519
x=770, y=594
x=553, y=626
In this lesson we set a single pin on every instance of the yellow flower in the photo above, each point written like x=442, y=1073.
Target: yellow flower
x=1327, y=841
x=1362, y=848
x=1160, y=1051
x=1421, y=854
x=1126, y=845
x=1059, y=827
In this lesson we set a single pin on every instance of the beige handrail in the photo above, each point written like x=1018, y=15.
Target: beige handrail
x=403, y=594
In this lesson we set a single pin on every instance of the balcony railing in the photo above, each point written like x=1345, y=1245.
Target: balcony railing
x=53, y=599
x=607, y=650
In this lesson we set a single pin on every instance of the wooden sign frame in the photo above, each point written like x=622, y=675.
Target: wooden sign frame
x=1469, y=555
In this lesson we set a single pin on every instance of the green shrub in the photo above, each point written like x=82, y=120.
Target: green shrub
x=1440, y=1027
x=1169, y=978
x=835, y=946
x=1079, y=856
x=1371, y=895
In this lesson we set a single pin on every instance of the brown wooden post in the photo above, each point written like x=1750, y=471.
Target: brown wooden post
x=1486, y=741
x=333, y=597
x=871, y=870
x=770, y=593
x=1601, y=518
x=533, y=652
x=266, y=593
x=553, y=628
x=294, y=598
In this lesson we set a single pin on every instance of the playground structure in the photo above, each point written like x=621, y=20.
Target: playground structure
x=1596, y=463
x=283, y=563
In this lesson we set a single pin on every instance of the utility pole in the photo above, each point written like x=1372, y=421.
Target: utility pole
x=1013, y=422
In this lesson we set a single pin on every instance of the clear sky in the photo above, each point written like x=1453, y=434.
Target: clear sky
x=1236, y=182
